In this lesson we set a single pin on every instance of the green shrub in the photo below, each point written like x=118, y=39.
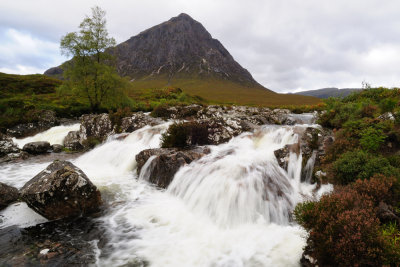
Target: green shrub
x=372, y=138
x=388, y=104
x=355, y=165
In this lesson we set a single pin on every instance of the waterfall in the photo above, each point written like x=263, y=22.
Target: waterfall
x=230, y=208
x=54, y=135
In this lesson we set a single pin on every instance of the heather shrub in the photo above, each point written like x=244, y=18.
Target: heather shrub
x=343, y=230
x=378, y=188
x=116, y=117
x=184, y=134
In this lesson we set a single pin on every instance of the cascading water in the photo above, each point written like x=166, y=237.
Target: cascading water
x=54, y=135
x=230, y=208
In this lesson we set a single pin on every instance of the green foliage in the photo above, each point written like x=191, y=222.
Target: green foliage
x=372, y=138
x=116, y=117
x=91, y=73
x=358, y=164
x=184, y=134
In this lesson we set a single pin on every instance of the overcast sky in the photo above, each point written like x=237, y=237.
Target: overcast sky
x=287, y=45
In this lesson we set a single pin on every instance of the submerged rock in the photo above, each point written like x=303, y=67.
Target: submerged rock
x=39, y=147
x=159, y=165
x=8, y=195
x=62, y=190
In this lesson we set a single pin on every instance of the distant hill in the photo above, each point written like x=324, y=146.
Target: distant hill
x=182, y=53
x=329, y=92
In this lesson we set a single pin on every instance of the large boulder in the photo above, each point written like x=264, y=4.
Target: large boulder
x=62, y=190
x=39, y=147
x=8, y=195
x=159, y=165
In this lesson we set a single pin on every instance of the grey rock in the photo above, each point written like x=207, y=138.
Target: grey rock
x=97, y=126
x=57, y=148
x=136, y=121
x=165, y=162
x=39, y=147
x=8, y=195
x=7, y=146
x=73, y=141
x=62, y=190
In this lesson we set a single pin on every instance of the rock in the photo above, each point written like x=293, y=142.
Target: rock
x=61, y=191
x=165, y=162
x=385, y=214
x=57, y=148
x=73, y=141
x=136, y=121
x=283, y=154
x=97, y=126
x=39, y=147
x=22, y=155
x=45, y=120
x=7, y=146
x=8, y=195
x=388, y=116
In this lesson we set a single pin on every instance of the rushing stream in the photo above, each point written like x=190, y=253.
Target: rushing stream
x=230, y=208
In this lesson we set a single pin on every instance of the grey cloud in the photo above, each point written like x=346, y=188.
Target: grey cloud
x=286, y=44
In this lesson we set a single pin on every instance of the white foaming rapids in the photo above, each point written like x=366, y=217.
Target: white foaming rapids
x=230, y=208
x=54, y=135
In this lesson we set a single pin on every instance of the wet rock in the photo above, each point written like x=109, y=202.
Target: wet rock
x=8, y=195
x=66, y=242
x=35, y=148
x=7, y=146
x=62, y=190
x=136, y=121
x=57, y=148
x=73, y=141
x=45, y=120
x=160, y=165
x=22, y=155
x=283, y=154
x=97, y=126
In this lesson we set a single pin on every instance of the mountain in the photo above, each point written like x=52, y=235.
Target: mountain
x=329, y=92
x=182, y=53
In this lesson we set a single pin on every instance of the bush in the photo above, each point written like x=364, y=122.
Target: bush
x=116, y=117
x=372, y=138
x=161, y=111
x=344, y=230
x=355, y=165
x=184, y=134
x=378, y=188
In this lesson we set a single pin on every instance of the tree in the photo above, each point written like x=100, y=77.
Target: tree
x=90, y=72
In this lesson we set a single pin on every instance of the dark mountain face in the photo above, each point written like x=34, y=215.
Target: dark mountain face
x=178, y=48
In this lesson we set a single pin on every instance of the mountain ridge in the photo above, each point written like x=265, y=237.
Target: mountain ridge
x=180, y=52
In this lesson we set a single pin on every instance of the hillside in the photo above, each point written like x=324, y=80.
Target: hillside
x=329, y=92
x=182, y=53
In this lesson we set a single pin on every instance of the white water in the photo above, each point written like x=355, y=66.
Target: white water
x=230, y=208
x=54, y=135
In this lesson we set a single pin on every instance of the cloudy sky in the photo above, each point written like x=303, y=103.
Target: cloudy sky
x=288, y=45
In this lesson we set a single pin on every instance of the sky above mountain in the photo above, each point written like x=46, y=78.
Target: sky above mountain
x=287, y=45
